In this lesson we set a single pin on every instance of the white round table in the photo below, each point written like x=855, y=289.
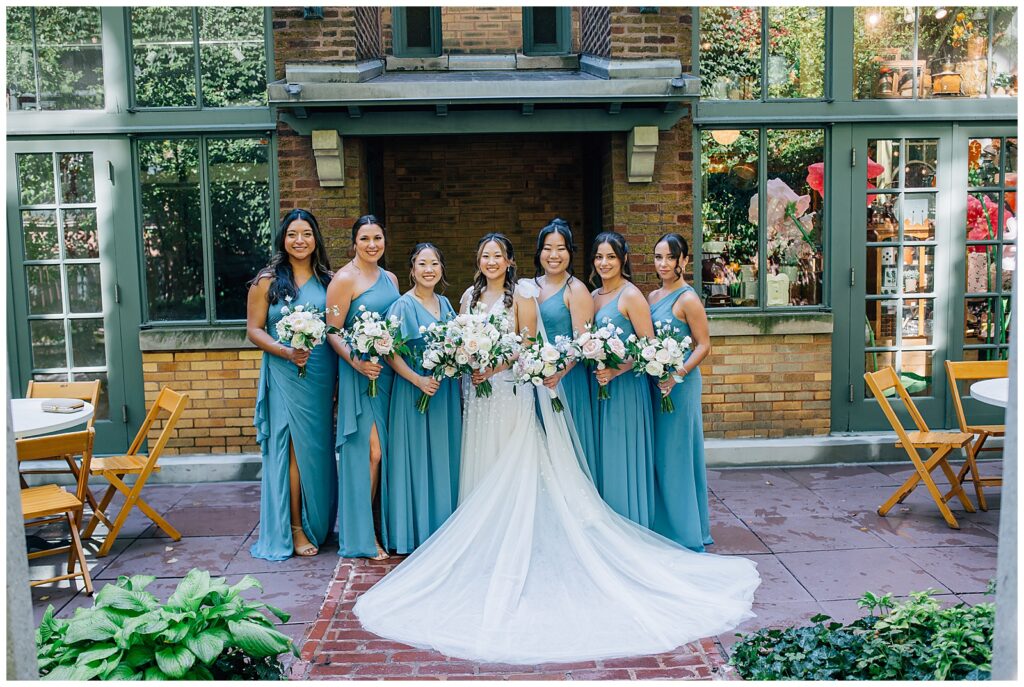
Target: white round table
x=29, y=419
x=994, y=392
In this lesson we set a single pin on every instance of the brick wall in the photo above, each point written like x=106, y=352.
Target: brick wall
x=221, y=386
x=665, y=33
x=767, y=386
x=453, y=189
x=298, y=40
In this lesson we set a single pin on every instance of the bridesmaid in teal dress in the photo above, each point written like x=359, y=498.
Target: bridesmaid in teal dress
x=362, y=434
x=680, y=479
x=296, y=441
x=624, y=422
x=424, y=449
x=566, y=308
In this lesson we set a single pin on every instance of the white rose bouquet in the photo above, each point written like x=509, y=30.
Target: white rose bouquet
x=484, y=341
x=600, y=348
x=303, y=327
x=440, y=345
x=540, y=359
x=372, y=337
x=660, y=355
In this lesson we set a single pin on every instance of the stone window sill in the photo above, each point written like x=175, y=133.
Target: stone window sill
x=770, y=324
x=216, y=338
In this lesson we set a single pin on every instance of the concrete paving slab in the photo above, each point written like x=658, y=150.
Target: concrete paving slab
x=324, y=562
x=847, y=574
x=206, y=521
x=777, y=584
x=811, y=533
x=840, y=477
x=763, y=480
x=960, y=569
x=167, y=558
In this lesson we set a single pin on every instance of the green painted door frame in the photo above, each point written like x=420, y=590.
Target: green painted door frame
x=119, y=276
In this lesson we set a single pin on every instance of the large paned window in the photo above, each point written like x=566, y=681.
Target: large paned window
x=54, y=58
x=206, y=224
x=547, y=30
x=763, y=251
x=198, y=57
x=991, y=246
x=935, y=52
x=762, y=53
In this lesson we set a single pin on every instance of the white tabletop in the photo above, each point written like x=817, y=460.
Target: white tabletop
x=994, y=392
x=29, y=420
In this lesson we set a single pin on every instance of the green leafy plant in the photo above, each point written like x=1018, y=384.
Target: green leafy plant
x=205, y=631
x=913, y=639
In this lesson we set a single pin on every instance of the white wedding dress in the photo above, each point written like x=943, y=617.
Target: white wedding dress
x=534, y=567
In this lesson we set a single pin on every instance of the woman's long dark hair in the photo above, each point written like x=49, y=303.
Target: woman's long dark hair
x=677, y=248
x=480, y=281
x=279, y=270
x=419, y=248
x=621, y=249
x=556, y=226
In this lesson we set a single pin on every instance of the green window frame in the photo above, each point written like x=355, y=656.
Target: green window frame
x=197, y=43
x=763, y=78
x=207, y=223
x=400, y=34
x=563, y=32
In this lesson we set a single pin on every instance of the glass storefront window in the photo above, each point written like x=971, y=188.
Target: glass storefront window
x=791, y=229
x=935, y=52
x=54, y=58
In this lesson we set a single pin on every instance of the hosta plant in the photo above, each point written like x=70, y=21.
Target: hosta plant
x=205, y=631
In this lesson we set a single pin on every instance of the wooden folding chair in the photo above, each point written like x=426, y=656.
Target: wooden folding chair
x=52, y=503
x=971, y=370
x=115, y=468
x=83, y=391
x=939, y=443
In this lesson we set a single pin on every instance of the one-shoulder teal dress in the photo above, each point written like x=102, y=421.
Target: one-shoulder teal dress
x=624, y=435
x=358, y=413
x=575, y=384
x=296, y=410
x=680, y=479
x=424, y=449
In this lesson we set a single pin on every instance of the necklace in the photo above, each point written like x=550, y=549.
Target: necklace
x=605, y=293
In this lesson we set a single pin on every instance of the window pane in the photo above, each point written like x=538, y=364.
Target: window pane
x=982, y=321
x=103, y=406
x=918, y=217
x=35, y=178
x=240, y=206
x=1010, y=165
x=44, y=295
x=21, y=73
x=916, y=372
x=76, y=178
x=1004, y=51
x=918, y=316
x=918, y=269
x=883, y=46
x=164, y=58
x=233, y=56
x=48, y=349
x=729, y=161
x=796, y=52
x=417, y=27
x=922, y=163
x=983, y=162
x=80, y=237
x=84, y=293
x=87, y=347
x=545, y=25
x=730, y=53
x=171, y=229
x=795, y=188
x=954, y=42
x=882, y=317
x=883, y=167
x=39, y=228
x=69, y=44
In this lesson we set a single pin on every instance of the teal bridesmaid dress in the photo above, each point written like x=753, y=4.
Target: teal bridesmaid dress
x=424, y=449
x=357, y=415
x=576, y=384
x=680, y=479
x=295, y=410
x=624, y=435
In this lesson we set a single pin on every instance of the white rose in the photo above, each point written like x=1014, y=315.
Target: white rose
x=664, y=356
x=537, y=381
x=550, y=354
x=617, y=347
x=472, y=346
x=649, y=352
x=297, y=342
x=655, y=369
x=584, y=338
x=550, y=370
x=461, y=358
x=592, y=349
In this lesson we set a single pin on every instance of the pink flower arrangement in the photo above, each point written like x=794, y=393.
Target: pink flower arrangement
x=788, y=220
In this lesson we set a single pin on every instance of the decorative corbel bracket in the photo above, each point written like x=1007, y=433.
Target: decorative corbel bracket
x=330, y=157
x=641, y=147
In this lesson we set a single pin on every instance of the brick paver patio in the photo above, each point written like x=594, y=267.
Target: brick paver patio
x=813, y=532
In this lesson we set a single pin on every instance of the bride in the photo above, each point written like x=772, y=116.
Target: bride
x=534, y=567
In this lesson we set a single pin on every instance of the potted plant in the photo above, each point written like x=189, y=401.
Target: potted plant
x=205, y=631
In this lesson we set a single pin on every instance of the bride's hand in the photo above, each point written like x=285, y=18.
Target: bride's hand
x=428, y=385
x=481, y=376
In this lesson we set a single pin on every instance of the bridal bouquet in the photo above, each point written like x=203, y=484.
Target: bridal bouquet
x=439, y=353
x=658, y=355
x=484, y=341
x=541, y=359
x=303, y=327
x=601, y=347
x=373, y=338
